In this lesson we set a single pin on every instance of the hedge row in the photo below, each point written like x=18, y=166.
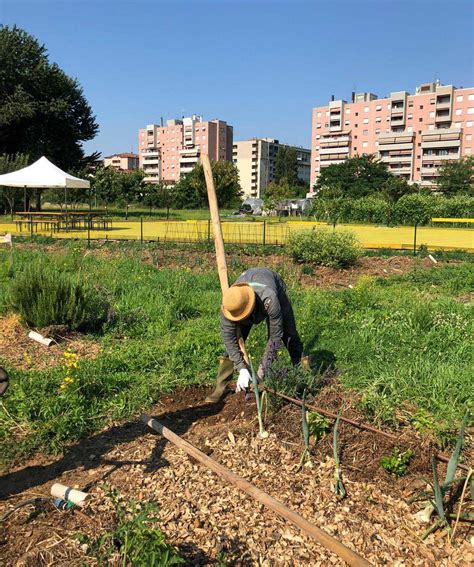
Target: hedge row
x=409, y=209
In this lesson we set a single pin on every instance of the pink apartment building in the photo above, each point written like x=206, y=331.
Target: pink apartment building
x=167, y=152
x=413, y=134
x=125, y=161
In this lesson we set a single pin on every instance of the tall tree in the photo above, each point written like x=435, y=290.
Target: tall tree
x=286, y=165
x=457, y=177
x=191, y=190
x=42, y=110
x=11, y=195
x=356, y=177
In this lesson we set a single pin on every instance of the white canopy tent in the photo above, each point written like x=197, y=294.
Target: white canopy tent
x=41, y=175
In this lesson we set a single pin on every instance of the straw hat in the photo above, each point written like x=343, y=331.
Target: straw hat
x=238, y=302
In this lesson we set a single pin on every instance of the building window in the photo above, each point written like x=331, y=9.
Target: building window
x=459, y=98
x=318, y=115
x=467, y=150
x=410, y=103
x=469, y=137
x=377, y=131
x=348, y=110
x=365, y=144
x=470, y=110
x=378, y=119
x=457, y=124
x=378, y=107
x=366, y=120
x=347, y=123
x=469, y=124
x=365, y=132
x=356, y=125
x=318, y=125
x=366, y=109
x=470, y=97
x=317, y=137
x=327, y=113
x=410, y=129
x=357, y=114
x=432, y=101
x=410, y=116
x=458, y=111
x=355, y=137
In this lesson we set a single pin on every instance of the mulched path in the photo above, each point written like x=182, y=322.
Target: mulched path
x=208, y=519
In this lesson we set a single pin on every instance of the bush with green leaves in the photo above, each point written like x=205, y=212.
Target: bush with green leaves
x=43, y=296
x=397, y=462
x=136, y=539
x=337, y=249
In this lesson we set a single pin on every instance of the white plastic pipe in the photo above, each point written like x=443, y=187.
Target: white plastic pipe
x=39, y=338
x=66, y=493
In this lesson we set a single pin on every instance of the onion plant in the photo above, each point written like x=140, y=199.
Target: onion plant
x=338, y=484
x=437, y=502
x=259, y=400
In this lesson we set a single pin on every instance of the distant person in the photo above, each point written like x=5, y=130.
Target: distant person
x=259, y=294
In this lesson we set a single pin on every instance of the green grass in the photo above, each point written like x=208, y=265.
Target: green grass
x=394, y=339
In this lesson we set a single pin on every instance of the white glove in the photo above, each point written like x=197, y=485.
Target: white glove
x=243, y=380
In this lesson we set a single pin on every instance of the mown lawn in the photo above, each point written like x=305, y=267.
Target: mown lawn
x=406, y=338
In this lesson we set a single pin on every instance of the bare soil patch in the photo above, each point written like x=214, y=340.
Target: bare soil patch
x=206, y=518
x=24, y=353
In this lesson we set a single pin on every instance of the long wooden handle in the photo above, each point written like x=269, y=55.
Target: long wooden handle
x=216, y=223
x=218, y=238
x=351, y=557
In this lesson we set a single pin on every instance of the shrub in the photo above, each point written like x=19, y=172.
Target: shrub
x=336, y=249
x=42, y=296
x=414, y=209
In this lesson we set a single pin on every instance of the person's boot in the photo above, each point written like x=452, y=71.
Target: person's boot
x=224, y=376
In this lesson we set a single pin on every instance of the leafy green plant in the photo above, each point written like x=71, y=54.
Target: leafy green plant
x=42, y=296
x=378, y=406
x=397, y=462
x=136, y=540
x=337, y=249
x=318, y=425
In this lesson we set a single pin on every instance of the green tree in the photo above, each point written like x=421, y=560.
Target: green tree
x=9, y=196
x=286, y=165
x=42, y=110
x=356, y=177
x=457, y=177
x=191, y=192
x=105, y=185
x=160, y=195
x=276, y=192
x=129, y=185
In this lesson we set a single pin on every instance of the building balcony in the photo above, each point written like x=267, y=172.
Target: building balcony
x=396, y=159
x=337, y=150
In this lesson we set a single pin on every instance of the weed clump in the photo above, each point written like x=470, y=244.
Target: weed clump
x=336, y=249
x=397, y=462
x=42, y=297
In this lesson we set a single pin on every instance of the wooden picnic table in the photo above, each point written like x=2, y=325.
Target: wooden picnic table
x=55, y=221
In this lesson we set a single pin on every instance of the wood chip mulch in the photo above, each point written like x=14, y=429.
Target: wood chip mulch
x=209, y=520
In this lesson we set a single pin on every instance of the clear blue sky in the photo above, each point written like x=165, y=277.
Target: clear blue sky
x=260, y=65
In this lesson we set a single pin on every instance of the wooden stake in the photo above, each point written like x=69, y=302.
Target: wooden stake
x=349, y=556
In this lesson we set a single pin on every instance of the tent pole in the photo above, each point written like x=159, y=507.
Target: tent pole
x=24, y=197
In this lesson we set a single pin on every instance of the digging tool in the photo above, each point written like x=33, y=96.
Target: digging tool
x=323, y=538
x=221, y=265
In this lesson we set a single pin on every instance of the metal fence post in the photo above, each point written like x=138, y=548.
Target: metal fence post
x=209, y=231
x=264, y=232
x=414, y=240
x=89, y=231
x=141, y=231
x=31, y=227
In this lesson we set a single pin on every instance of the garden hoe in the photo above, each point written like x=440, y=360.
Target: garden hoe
x=226, y=367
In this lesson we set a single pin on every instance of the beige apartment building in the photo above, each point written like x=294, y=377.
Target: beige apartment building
x=124, y=161
x=168, y=152
x=255, y=160
x=413, y=134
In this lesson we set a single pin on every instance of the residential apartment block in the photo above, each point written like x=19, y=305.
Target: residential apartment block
x=125, y=161
x=413, y=134
x=255, y=160
x=167, y=152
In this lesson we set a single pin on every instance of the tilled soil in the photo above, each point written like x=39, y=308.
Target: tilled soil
x=211, y=521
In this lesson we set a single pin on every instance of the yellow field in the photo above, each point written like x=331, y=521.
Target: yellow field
x=270, y=232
